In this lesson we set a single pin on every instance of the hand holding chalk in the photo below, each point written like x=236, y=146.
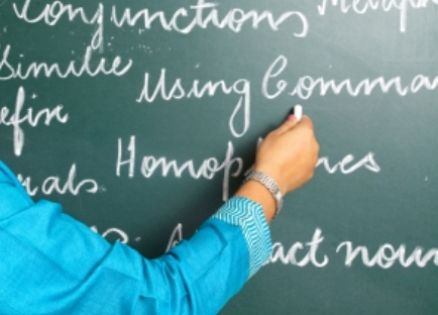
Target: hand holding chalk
x=289, y=153
x=295, y=115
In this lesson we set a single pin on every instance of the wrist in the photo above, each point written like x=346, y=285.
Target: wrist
x=258, y=193
x=275, y=174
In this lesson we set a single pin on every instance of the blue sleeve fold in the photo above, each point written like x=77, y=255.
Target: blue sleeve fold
x=52, y=264
x=249, y=217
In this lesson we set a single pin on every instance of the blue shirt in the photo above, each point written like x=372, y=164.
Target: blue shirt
x=51, y=263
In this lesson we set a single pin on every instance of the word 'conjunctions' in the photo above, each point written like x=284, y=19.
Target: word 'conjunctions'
x=183, y=20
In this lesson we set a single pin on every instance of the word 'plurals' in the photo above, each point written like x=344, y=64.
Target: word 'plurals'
x=56, y=185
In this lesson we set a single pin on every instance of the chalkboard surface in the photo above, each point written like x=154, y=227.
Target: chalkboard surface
x=141, y=117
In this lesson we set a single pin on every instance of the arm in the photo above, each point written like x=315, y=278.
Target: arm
x=288, y=154
x=53, y=264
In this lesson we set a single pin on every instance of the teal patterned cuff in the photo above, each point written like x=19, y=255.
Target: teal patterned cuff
x=249, y=216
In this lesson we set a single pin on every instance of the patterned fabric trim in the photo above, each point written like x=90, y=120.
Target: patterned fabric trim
x=249, y=216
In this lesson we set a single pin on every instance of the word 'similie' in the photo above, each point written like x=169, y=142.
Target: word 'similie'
x=87, y=66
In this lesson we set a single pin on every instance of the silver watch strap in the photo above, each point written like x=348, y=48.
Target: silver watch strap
x=270, y=185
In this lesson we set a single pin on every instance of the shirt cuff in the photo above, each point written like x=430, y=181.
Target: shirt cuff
x=249, y=216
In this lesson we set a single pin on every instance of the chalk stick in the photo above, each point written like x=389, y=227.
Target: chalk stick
x=297, y=111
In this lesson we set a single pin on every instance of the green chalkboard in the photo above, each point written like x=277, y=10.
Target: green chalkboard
x=141, y=117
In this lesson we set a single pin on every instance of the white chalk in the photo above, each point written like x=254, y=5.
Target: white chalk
x=298, y=112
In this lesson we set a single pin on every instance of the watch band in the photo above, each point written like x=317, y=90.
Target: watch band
x=271, y=185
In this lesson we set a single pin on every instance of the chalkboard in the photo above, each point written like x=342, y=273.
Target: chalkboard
x=141, y=117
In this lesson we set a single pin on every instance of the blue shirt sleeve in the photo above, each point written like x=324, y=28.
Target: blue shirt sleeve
x=51, y=263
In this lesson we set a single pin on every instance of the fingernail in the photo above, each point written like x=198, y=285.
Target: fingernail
x=291, y=117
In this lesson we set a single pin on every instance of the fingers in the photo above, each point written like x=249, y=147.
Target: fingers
x=288, y=124
x=306, y=121
x=292, y=122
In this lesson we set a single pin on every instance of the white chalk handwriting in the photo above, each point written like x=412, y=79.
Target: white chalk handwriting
x=274, y=84
x=54, y=12
x=149, y=165
x=178, y=90
x=388, y=255
x=62, y=186
x=348, y=165
x=205, y=15
x=113, y=234
x=129, y=164
x=365, y=6
x=28, y=116
x=183, y=20
x=308, y=253
x=86, y=66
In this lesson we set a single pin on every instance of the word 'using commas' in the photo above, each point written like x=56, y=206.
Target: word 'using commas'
x=183, y=20
x=28, y=116
x=365, y=6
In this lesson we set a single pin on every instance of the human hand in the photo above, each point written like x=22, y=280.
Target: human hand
x=289, y=154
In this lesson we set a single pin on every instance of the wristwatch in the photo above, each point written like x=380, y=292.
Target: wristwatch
x=271, y=185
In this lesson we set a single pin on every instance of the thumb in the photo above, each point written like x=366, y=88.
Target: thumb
x=288, y=124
